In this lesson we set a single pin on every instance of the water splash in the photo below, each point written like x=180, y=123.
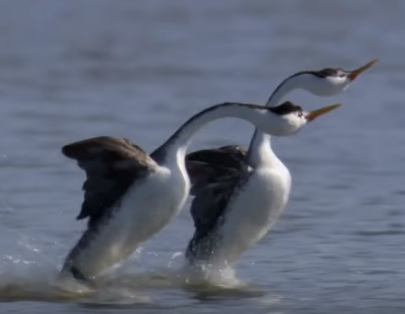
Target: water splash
x=37, y=283
x=39, y=280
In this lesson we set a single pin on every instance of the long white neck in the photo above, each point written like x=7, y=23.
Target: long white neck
x=174, y=149
x=260, y=147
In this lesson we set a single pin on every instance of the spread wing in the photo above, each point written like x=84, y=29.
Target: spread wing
x=111, y=166
x=210, y=165
x=209, y=204
x=231, y=156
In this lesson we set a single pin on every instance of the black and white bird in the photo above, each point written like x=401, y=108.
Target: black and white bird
x=239, y=194
x=130, y=195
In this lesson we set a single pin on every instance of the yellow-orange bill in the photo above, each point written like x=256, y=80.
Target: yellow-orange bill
x=321, y=111
x=355, y=73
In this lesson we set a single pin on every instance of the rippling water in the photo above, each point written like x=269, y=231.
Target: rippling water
x=137, y=69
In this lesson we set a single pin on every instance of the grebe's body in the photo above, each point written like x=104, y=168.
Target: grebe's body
x=130, y=195
x=239, y=194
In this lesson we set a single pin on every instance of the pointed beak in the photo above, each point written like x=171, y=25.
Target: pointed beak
x=312, y=115
x=355, y=73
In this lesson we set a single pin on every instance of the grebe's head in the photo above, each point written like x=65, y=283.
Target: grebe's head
x=290, y=118
x=330, y=81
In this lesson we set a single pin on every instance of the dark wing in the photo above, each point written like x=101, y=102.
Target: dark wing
x=209, y=165
x=111, y=166
x=208, y=210
x=231, y=156
x=209, y=204
x=203, y=174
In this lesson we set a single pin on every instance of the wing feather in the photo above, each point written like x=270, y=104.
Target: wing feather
x=111, y=166
x=211, y=165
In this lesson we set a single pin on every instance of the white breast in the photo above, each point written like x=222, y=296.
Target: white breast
x=146, y=208
x=253, y=211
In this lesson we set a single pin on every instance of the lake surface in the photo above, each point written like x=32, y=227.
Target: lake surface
x=137, y=69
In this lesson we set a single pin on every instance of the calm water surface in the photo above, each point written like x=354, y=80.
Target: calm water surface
x=137, y=69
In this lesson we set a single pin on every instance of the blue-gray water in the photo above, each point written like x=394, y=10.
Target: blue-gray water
x=137, y=69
